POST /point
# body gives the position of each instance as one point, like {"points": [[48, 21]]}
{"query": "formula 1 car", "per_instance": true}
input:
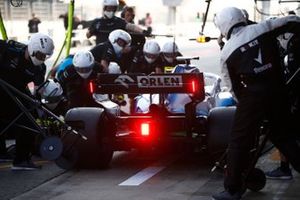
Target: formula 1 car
{"points": [[108, 129], [215, 96], [217, 108]]}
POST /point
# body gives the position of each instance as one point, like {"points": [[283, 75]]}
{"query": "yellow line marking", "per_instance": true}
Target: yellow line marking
{"points": [[40, 162]]}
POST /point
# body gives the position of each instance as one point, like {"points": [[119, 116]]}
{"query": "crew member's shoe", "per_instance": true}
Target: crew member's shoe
{"points": [[226, 195], [279, 174], [27, 165], [5, 158]]}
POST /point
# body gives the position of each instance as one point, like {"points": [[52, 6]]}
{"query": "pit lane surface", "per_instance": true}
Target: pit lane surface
{"points": [[136, 176]]}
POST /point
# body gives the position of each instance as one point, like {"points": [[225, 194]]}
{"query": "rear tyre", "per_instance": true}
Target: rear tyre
{"points": [[220, 120], [11, 151], [68, 159], [256, 180], [98, 127]]}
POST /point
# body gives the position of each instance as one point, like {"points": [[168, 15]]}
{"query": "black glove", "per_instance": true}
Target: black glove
{"points": [[147, 33]]}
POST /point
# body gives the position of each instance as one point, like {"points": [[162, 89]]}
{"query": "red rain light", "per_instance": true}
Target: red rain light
{"points": [[91, 86], [193, 86], [145, 129]]}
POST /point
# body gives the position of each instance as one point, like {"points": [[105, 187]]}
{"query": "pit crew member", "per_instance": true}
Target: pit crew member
{"points": [[250, 64], [19, 65], [147, 61], [101, 27], [75, 79], [169, 52]]}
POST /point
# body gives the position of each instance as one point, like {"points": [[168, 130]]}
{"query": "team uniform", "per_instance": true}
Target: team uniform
{"points": [[168, 66], [76, 89], [251, 66], [18, 72], [140, 65], [105, 51], [101, 27]]}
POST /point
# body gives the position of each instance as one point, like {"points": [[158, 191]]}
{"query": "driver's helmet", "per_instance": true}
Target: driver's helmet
{"points": [[51, 93], [151, 51], [119, 40], [183, 68], [40, 47], [114, 68], [169, 51], [110, 7], [83, 62], [227, 18]]}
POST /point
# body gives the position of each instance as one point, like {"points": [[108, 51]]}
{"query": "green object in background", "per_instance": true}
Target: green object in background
{"points": [[68, 38], [70, 27], [2, 28]]}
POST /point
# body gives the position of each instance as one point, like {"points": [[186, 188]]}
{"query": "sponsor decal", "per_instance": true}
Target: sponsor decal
{"points": [[259, 57], [159, 81], [124, 80], [262, 68], [249, 45]]}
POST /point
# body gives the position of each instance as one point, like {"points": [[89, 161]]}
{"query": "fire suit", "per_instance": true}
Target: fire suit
{"points": [[76, 88], [140, 65], [18, 72], [251, 66]]}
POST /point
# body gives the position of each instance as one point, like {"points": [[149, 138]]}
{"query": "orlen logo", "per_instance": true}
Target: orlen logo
{"points": [[159, 81], [124, 80]]}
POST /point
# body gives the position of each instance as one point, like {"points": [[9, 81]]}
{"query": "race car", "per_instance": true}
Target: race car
{"points": [[215, 96], [108, 129]]}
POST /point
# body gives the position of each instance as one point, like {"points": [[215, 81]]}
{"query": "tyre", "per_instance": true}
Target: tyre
{"points": [[256, 180], [68, 159], [98, 127], [11, 151], [220, 120]]}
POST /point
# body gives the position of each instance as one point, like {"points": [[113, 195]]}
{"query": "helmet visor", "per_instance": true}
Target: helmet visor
{"points": [[122, 43], [150, 55], [53, 99], [40, 56], [111, 8], [170, 55], [83, 69]]}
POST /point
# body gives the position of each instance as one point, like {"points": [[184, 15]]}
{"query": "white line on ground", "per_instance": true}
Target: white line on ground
{"points": [[149, 172], [142, 176]]}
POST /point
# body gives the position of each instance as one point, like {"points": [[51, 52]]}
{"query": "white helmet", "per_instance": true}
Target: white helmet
{"points": [[83, 62], [245, 12], [110, 2], [114, 68], [51, 93], [119, 39], [227, 18], [40, 47], [110, 13], [170, 50], [151, 50]]}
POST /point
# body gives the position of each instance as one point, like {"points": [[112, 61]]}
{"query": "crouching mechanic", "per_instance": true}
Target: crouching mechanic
{"points": [[52, 97], [251, 65], [147, 61], [19, 65], [76, 77], [169, 52]]}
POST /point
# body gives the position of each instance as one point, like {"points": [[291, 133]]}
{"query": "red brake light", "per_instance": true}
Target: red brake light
{"points": [[91, 86], [145, 129], [193, 86]]}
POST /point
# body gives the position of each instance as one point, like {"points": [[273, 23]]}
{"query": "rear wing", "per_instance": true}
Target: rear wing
{"points": [[192, 83]]}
